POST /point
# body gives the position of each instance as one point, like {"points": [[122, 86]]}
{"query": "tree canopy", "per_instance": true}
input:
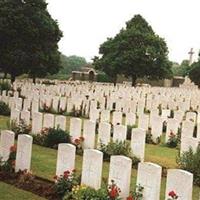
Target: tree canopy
{"points": [[136, 51], [71, 63], [29, 38], [194, 73], [182, 69]]}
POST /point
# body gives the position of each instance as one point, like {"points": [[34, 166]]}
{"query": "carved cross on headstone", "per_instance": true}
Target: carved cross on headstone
{"points": [[191, 53]]}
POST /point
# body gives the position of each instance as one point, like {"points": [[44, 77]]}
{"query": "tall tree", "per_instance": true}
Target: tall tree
{"points": [[71, 63], [194, 73], [29, 38], [109, 62], [136, 52]]}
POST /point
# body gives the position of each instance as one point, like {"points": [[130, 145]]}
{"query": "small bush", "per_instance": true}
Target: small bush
{"points": [[118, 148], [66, 182], [149, 138], [4, 109], [172, 141], [190, 161], [137, 194], [81, 192], [51, 137]]}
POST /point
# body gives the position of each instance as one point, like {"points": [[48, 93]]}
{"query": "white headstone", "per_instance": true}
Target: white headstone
{"points": [[138, 143], [25, 116], [89, 134], [120, 172], [181, 182], [119, 133], [6, 141], [130, 119], [104, 133], [117, 118], [65, 158], [75, 128], [149, 177], [24, 151], [143, 122], [60, 122], [37, 122], [48, 121], [92, 168]]}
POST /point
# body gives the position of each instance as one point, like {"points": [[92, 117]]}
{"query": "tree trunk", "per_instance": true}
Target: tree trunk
{"points": [[12, 78], [115, 80], [134, 78], [34, 79]]}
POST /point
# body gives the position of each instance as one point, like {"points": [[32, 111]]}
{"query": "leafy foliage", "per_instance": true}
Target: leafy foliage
{"points": [[118, 148], [137, 194], [182, 69], [194, 73], [81, 192], [136, 52], [66, 182], [51, 137], [190, 161], [172, 141], [29, 38], [4, 109]]}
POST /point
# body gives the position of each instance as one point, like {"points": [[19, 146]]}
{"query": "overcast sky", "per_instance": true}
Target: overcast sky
{"points": [[87, 23]]}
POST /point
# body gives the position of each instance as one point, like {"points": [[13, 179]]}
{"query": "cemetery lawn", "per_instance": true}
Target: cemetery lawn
{"points": [[44, 162], [11, 192]]}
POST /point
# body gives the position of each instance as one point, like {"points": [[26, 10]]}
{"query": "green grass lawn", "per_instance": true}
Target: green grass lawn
{"points": [[44, 162], [8, 192]]}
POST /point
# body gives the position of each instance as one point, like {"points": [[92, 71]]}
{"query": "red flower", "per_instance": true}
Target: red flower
{"points": [[66, 174], [13, 148], [130, 198], [113, 193], [77, 141], [172, 194]]}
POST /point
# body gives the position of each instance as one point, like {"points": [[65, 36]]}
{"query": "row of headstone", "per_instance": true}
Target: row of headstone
{"points": [[24, 149], [148, 175]]}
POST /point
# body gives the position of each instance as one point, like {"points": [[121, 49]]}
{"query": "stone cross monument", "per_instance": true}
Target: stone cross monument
{"points": [[191, 53]]}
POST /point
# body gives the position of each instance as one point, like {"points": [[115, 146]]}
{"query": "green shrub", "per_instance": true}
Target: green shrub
{"points": [[149, 139], [172, 141], [4, 109], [190, 161], [102, 77], [111, 192], [137, 194], [118, 148], [66, 182], [53, 137], [5, 86]]}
